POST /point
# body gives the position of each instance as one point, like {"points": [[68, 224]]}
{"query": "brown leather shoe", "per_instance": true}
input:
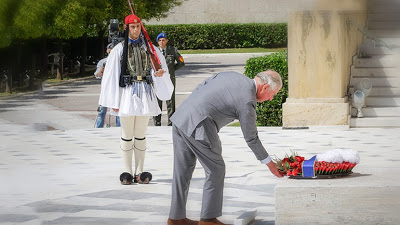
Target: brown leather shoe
{"points": [[185, 221], [212, 222]]}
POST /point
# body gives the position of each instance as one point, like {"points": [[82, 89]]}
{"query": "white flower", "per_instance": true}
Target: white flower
{"points": [[339, 156], [349, 155]]}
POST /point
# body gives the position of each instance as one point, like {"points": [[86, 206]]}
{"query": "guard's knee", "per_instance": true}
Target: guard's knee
{"points": [[126, 144], [140, 144]]}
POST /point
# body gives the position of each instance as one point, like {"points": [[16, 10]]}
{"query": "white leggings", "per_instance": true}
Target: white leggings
{"points": [[133, 127]]}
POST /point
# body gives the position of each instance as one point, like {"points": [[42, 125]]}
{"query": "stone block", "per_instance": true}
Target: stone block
{"points": [[246, 218], [314, 112], [336, 201]]}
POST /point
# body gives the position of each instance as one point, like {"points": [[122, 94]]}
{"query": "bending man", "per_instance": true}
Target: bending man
{"points": [[216, 102]]}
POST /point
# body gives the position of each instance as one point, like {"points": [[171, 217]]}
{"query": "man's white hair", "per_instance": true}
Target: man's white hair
{"points": [[270, 77]]}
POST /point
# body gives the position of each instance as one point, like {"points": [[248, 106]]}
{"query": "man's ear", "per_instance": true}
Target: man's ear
{"points": [[266, 86], [124, 26]]}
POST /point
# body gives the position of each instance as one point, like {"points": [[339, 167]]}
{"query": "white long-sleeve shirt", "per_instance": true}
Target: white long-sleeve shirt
{"points": [[101, 63]]}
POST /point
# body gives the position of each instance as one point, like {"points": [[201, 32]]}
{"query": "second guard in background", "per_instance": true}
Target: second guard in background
{"points": [[175, 62]]}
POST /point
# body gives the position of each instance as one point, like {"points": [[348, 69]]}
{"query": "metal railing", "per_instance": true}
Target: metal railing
{"points": [[369, 34]]}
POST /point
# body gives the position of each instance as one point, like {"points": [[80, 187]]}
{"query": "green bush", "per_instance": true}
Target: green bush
{"points": [[269, 113], [219, 36]]}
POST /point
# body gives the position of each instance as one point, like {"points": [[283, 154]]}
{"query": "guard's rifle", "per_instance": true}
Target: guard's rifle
{"points": [[155, 61]]}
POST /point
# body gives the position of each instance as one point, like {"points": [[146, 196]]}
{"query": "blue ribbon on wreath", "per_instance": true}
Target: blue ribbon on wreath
{"points": [[308, 167]]}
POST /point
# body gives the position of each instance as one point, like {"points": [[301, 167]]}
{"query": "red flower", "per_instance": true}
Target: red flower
{"points": [[292, 166]]}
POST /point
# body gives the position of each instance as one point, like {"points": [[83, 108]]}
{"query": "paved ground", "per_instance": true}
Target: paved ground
{"points": [[57, 169]]}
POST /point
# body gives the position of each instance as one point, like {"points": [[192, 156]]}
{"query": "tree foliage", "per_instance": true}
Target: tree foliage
{"points": [[33, 19], [7, 9], [69, 22], [65, 19]]}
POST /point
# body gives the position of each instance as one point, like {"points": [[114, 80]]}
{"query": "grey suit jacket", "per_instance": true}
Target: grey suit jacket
{"points": [[223, 98]]}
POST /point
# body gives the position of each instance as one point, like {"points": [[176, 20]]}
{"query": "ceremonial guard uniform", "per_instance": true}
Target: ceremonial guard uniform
{"points": [[175, 62], [131, 87]]}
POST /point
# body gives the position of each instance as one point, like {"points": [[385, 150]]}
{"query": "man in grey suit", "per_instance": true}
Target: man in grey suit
{"points": [[216, 102]]}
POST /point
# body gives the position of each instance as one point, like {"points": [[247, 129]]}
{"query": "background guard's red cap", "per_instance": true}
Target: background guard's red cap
{"points": [[132, 19]]}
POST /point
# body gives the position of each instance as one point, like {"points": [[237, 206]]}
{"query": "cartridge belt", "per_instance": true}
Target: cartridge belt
{"points": [[128, 79]]}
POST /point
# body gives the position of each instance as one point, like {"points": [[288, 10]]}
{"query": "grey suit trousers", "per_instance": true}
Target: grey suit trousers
{"points": [[204, 144]]}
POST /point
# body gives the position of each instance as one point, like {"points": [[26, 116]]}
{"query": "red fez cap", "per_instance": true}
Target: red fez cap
{"points": [[132, 19]]}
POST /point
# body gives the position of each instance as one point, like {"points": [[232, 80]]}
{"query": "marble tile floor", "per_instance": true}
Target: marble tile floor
{"points": [[72, 176]]}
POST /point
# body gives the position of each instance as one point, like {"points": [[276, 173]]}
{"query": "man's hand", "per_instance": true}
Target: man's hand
{"points": [[272, 167], [100, 73], [159, 73]]}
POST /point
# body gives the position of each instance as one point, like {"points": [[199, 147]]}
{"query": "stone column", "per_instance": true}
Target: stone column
{"points": [[321, 44]]}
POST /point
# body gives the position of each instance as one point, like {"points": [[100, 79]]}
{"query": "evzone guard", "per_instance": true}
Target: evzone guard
{"points": [[130, 86]]}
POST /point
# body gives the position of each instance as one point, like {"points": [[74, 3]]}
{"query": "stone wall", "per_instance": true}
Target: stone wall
{"points": [[233, 11]]}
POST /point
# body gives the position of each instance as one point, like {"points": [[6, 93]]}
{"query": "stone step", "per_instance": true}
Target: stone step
{"points": [[393, 24], [384, 7], [381, 111], [377, 61], [379, 81], [383, 42], [385, 33], [388, 16], [382, 92], [392, 42], [385, 92], [375, 122], [374, 72], [373, 101], [380, 50]]}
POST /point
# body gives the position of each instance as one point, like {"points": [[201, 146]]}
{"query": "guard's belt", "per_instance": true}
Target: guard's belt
{"points": [[128, 79]]}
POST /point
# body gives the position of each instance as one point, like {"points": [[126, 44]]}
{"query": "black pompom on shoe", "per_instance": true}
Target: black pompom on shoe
{"points": [[126, 178], [143, 178]]}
